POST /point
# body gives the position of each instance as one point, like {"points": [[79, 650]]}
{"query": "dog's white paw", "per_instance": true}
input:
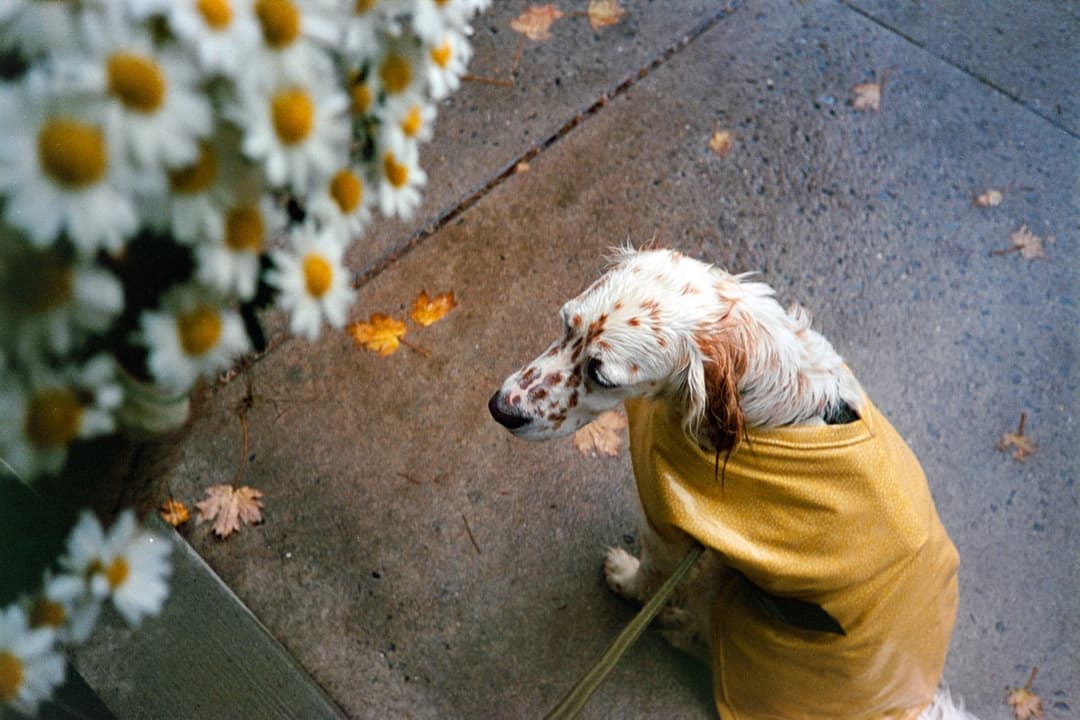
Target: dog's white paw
{"points": [[620, 570]]}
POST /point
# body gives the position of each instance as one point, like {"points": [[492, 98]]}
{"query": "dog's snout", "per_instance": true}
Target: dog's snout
{"points": [[508, 417]]}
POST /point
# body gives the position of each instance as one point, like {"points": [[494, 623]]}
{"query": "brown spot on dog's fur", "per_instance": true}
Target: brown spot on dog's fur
{"points": [[537, 394], [553, 379], [572, 400], [603, 345], [530, 374], [633, 322]]}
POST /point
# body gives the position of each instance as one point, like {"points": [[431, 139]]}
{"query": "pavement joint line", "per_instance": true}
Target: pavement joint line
{"points": [[446, 217], [966, 70]]}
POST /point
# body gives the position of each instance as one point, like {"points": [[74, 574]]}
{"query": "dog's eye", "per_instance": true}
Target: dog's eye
{"points": [[592, 371]]}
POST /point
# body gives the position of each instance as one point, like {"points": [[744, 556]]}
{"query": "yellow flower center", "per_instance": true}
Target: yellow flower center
{"points": [[53, 417], [347, 190], [280, 20], [318, 275], [199, 330], [11, 676], [440, 54], [217, 13], [293, 114], [364, 6], [49, 285], [361, 98], [47, 613], [136, 81], [117, 572], [395, 73], [72, 153], [395, 172], [198, 176], [413, 121], [244, 229]]}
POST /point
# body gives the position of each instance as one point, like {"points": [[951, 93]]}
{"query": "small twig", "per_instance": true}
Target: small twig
{"points": [[410, 478], [488, 80], [414, 347], [517, 55], [242, 406], [1006, 251], [1020, 432], [1034, 668], [468, 529]]}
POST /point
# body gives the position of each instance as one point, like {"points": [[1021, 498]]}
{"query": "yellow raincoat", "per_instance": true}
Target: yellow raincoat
{"points": [[839, 516]]}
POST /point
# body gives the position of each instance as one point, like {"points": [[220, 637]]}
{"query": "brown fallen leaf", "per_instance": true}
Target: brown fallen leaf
{"points": [[867, 96], [601, 436], [1022, 444], [991, 198], [720, 142], [381, 334], [535, 22], [174, 512], [604, 12], [230, 507], [1027, 243], [1025, 704], [427, 310]]}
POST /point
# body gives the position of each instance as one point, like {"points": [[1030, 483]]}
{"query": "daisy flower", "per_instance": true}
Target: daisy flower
{"points": [[59, 172], [400, 178], [34, 27], [30, 666], [221, 33], [293, 41], [66, 606], [365, 27], [312, 281], [398, 70], [190, 336], [53, 300], [431, 18], [128, 564], [230, 264], [447, 58], [40, 419], [298, 132], [156, 111], [414, 120], [342, 203]]}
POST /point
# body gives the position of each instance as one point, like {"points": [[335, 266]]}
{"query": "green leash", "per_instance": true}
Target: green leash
{"points": [[575, 700]]}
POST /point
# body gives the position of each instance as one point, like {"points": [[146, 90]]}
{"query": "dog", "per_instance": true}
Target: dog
{"points": [[828, 588]]}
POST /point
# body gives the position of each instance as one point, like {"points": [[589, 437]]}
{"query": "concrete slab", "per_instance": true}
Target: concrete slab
{"points": [[1027, 50], [419, 562]]}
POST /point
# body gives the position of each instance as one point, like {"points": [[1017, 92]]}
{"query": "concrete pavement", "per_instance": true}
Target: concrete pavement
{"points": [[417, 561]]}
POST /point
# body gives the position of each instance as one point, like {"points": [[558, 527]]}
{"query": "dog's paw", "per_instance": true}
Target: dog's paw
{"points": [[620, 571], [681, 630]]}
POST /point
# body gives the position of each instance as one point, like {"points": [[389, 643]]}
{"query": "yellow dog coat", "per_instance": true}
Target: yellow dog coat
{"points": [[838, 516]]}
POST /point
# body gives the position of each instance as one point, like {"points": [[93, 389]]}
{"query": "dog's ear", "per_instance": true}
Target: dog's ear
{"points": [[723, 364]]}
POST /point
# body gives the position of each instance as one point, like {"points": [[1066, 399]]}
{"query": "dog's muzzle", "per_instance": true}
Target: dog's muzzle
{"points": [[509, 417]]}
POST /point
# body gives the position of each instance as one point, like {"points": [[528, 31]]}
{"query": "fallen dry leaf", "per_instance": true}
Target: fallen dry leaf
{"points": [[535, 22], [1025, 704], [604, 12], [174, 512], [427, 310], [990, 198], [720, 142], [601, 436], [866, 96], [1022, 444], [1028, 243], [381, 334], [231, 507]]}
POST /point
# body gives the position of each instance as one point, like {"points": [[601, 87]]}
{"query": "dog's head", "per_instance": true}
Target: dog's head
{"points": [[653, 325]]}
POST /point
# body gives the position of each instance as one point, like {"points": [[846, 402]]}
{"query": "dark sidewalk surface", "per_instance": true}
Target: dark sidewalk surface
{"points": [[418, 561]]}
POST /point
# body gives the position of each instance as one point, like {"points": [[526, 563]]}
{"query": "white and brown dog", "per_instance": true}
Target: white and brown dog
{"points": [[828, 589]]}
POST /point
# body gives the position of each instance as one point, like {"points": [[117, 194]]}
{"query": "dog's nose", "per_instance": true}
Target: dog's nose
{"points": [[509, 418]]}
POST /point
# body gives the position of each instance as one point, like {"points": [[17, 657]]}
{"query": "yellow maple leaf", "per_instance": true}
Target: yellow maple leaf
{"points": [[535, 22], [720, 142], [174, 512], [1022, 444], [604, 12], [427, 310], [230, 507], [1025, 704], [601, 436], [381, 334], [990, 198]]}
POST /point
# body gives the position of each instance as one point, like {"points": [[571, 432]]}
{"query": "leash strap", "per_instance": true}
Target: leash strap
{"points": [[575, 700]]}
